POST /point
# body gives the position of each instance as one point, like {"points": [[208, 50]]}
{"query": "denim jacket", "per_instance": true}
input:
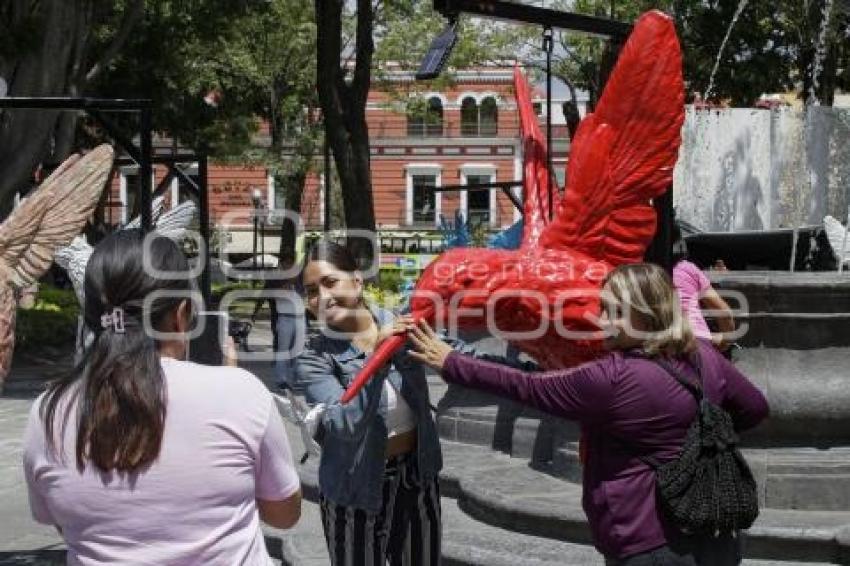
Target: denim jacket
{"points": [[353, 458]]}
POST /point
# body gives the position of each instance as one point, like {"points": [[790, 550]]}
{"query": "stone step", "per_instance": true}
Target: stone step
{"points": [[466, 542], [800, 456], [508, 493], [504, 498], [807, 479]]}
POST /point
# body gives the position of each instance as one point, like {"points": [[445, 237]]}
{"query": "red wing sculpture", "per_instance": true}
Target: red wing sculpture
{"points": [[622, 156]]}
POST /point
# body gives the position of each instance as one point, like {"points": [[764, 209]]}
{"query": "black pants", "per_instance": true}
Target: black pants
{"points": [[724, 550], [406, 531]]}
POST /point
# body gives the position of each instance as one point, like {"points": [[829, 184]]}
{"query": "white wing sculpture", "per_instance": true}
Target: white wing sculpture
{"points": [[74, 257], [174, 223], [838, 238], [156, 212]]}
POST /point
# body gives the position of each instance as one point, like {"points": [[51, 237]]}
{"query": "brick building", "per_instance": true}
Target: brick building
{"points": [[471, 136]]}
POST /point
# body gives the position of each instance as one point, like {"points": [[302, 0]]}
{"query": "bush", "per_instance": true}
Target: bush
{"points": [[390, 280], [51, 322], [383, 298]]}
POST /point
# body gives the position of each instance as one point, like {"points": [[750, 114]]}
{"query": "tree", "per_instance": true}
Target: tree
{"points": [[343, 87], [770, 48], [257, 56], [52, 48], [353, 46], [267, 63]]}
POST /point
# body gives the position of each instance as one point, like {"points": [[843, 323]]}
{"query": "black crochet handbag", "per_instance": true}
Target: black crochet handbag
{"points": [[709, 488]]}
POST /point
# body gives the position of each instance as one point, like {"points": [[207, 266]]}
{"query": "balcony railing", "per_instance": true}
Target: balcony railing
{"points": [[444, 129], [450, 129]]}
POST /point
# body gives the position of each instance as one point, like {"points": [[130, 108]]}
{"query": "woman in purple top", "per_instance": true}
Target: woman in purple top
{"points": [[628, 407]]}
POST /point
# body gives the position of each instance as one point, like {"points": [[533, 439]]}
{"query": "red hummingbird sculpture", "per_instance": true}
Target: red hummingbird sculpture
{"points": [[622, 156]]}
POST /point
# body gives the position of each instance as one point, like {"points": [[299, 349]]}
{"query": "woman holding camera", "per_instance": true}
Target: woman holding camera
{"points": [[139, 456]]}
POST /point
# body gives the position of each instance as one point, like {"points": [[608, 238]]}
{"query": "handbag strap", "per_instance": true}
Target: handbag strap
{"points": [[694, 389]]}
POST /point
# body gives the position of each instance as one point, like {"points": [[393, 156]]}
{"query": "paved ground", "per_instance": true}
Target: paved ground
{"points": [[467, 541], [22, 540]]}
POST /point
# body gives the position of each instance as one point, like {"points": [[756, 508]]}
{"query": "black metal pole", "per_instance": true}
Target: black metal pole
{"points": [[145, 169], [256, 220], [660, 250], [163, 184], [327, 219], [204, 205], [547, 45], [522, 12], [263, 237]]}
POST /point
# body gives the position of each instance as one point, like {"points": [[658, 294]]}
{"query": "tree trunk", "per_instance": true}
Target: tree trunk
{"points": [[827, 77], [343, 106], [54, 66], [40, 71], [293, 190]]}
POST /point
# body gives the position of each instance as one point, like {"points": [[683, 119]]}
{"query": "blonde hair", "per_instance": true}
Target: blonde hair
{"points": [[649, 290]]}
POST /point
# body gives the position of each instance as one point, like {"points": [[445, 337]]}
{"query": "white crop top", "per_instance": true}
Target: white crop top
{"points": [[400, 417]]}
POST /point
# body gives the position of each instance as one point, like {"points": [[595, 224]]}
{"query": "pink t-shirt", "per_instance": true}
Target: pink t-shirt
{"points": [[223, 447], [691, 283]]}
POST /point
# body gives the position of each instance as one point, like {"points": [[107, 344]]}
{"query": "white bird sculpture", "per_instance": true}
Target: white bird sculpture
{"points": [[838, 238], [74, 257]]}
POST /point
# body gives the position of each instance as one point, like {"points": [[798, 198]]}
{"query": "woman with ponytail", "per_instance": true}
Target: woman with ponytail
{"points": [[139, 456]]}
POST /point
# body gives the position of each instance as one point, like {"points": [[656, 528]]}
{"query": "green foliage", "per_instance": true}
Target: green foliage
{"points": [[219, 290], [478, 235], [390, 280], [769, 49], [257, 56], [384, 298], [403, 32], [51, 322]]}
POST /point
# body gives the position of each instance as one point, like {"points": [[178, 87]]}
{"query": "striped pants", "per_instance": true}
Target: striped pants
{"points": [[405, 532]]}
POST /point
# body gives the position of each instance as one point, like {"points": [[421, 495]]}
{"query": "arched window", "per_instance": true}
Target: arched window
{"points": [[488, 117], [427, 121], [469, 117], [434, 117], [415, 122]]}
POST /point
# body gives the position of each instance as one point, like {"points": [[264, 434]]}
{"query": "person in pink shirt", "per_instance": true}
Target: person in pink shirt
{"points": [[140, 457], [696, 293]]}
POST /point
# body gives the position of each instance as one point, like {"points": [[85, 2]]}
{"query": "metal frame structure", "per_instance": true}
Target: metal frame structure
{"points": [[142, 155], [549, 19], [660, 250], [513, 11], [504, 185]]}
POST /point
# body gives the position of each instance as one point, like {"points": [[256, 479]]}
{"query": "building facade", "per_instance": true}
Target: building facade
{"points": [[468, 134]]}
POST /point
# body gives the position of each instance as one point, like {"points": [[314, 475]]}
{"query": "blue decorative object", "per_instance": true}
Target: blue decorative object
{"points": [[455, 235], [507, 239]]}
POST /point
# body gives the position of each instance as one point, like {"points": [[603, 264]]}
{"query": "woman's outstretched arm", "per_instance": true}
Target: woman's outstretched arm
{"points": [[581, 393]]}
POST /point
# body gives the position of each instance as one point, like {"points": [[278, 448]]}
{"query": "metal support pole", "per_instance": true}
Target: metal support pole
{"points": [[145, 169], [256, 222], [204, 205], [547, 46], [844, 242], [263, 237], [327, 219], [660, 250], [795, 236]]}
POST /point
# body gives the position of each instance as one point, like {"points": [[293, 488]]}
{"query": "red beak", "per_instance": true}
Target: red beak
{"points": [[381, 356]]}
